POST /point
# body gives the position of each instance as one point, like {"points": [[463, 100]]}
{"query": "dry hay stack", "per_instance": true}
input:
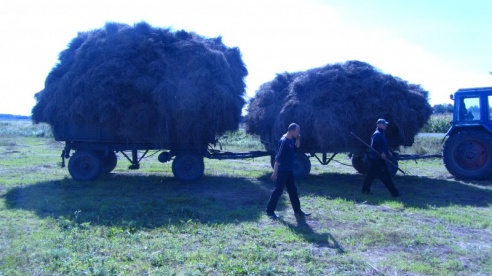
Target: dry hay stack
{"points": [[141, 84], [332, 101]]}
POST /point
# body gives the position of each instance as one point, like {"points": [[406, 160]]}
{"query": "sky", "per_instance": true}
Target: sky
{"points": [[443, 45]]}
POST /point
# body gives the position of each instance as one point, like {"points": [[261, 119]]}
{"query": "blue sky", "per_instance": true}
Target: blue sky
{"points": [[441, 45]]}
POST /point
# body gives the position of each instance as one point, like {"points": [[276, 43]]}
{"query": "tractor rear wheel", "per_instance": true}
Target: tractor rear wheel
{"points": [[84, 165], [468, 155]]}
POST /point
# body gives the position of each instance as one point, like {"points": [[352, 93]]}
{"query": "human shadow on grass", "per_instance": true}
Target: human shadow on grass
{"points": [[303, 229], [142, 200], [419, 192]]}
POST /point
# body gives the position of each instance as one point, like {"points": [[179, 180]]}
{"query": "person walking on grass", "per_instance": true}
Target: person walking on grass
{"points": [[377, 158], [283, 172]]}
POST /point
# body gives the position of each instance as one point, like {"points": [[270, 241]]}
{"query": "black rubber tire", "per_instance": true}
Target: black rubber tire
{"points": [[363, 167], [468, 155], [188, 166], [302, 165], [393, 167], [359, 164], [108, 162], [85, 165]]}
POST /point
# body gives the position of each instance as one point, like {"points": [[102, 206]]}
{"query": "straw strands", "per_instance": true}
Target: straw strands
{"points": [[141, 84], [331, 101]]}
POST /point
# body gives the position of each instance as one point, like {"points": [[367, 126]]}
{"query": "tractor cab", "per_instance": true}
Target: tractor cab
{"points": [[467, 151], [473, 108]]}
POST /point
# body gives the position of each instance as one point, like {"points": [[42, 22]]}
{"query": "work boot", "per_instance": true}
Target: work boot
{"points": [[301, 214], [272, 215]]}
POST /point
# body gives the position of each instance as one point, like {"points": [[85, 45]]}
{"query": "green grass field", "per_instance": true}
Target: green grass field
{"points": [[146, 223]]}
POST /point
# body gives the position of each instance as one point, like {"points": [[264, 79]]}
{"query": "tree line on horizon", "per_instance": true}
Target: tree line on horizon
{"points": [[437, 109], [442, 108]]}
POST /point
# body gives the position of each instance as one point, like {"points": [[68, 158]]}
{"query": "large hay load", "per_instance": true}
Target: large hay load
{"points": [[140, 84], [332, 101], [138, 87]]}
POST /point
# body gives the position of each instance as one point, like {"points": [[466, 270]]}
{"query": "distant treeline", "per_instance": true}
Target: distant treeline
{"points": [[12, 117], [437, 109], [442, 108]]}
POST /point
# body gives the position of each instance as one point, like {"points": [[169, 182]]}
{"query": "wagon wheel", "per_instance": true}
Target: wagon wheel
{"points": [[302, 165], [468, 155], [393, 169], [359, 164], [363, 167], [188, 166], [108, 162], [84, 165]]}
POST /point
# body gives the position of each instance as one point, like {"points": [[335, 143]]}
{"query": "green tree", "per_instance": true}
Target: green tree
{"points": [[442, 108]]}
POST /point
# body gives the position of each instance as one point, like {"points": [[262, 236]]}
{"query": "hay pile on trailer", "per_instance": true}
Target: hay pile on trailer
{"points": [[331, 101], [141, 84]]}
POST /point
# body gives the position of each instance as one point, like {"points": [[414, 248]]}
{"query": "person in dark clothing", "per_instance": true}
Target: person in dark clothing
{"points": [[283, 172], [377, 159]]}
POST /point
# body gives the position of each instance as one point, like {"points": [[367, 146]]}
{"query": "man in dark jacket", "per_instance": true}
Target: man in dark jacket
{"points": [[377, 159], [283, 172]]}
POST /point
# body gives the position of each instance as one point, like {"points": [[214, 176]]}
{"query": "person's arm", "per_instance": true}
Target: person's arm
{"points": [[275, 171], [383, 147], [383, 155], [277, 158], [377, 145], [298, 141]]}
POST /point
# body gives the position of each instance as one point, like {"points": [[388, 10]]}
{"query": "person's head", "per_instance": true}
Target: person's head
{"points": [[294, 130], [382, 124]]}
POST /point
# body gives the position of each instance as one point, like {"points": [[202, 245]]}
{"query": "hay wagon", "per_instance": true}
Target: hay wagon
{"points": [[91, 152], [357, 155], [329, 102], [357, 151]]}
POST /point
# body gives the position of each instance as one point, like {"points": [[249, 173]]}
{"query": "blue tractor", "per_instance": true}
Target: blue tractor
{"points": [[467, 150]]}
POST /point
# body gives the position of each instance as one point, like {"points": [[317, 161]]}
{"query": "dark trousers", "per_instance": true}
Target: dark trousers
{"points": [[284, 178], [378, 168]]}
